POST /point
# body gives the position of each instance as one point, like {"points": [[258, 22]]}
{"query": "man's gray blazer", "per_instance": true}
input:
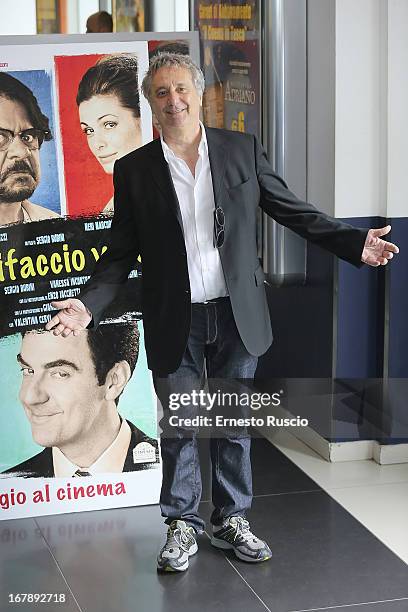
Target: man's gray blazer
{"points": [[148, 222]]}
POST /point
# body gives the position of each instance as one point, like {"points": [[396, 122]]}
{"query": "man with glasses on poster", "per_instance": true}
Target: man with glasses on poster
{"points": [[188, 204], [23, 129]]}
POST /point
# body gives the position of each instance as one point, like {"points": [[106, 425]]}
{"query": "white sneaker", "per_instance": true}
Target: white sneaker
{"points": [[180, 545], [235, 534]]}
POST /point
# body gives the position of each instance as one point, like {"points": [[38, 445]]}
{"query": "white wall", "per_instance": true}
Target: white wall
{"points": [[86, 8], [397, 108], [181, 15], [170, 15], [360, 163], [72, 17], [18, 17], [321, 81], [357, 106]]}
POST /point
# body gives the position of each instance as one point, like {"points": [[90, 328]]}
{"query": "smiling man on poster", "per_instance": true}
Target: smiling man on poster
{"points": [[70, 393], [188, 204]]}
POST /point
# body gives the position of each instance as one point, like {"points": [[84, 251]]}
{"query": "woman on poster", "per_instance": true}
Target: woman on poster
{"points": [[109, 110]]}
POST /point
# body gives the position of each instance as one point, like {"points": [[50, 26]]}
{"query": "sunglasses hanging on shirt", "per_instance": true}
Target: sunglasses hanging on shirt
{"points": [[219, 227]]}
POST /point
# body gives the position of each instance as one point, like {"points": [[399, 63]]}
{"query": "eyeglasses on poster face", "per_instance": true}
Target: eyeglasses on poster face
{"points": [[31, 138]]}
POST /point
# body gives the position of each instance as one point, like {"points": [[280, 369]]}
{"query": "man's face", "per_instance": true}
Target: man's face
{"points": [[174, 99], [59, 391], [19, 166]]}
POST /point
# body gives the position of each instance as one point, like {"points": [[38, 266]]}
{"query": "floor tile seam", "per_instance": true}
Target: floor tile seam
{"points": [[302, 492], [242, 578], [323, 489], [364, 486], [208, 501], [353, 605], [58, 567]]}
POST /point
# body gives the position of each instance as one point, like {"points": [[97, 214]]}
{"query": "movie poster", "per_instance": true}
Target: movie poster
{"points": [[230, 60], [78, 425]]}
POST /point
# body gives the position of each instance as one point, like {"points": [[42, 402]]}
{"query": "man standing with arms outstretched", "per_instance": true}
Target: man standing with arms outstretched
{"points": [[188, 203]]}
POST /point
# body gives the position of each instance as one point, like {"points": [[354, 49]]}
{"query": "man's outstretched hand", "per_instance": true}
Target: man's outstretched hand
{"points": [[376, 251], [73, 317]]}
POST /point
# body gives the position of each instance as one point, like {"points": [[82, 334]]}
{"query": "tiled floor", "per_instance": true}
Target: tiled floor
{"points": [[375, 495], [324, 558]]}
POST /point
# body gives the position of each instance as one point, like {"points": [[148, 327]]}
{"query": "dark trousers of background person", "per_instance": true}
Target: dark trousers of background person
{"points": [[215, 348]]}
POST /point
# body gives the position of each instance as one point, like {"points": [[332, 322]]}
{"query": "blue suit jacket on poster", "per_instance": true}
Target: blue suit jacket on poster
{"points": [[41, 465]]}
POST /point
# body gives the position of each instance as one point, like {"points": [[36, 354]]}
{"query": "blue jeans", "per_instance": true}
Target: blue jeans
{"points": [[215, 348]]}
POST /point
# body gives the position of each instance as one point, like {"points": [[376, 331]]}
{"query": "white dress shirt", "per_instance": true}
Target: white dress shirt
{"points": [[196, 200], [112, 459]]}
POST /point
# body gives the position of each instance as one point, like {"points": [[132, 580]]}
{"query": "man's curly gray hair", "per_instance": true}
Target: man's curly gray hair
{"points": [[172, 60]]}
